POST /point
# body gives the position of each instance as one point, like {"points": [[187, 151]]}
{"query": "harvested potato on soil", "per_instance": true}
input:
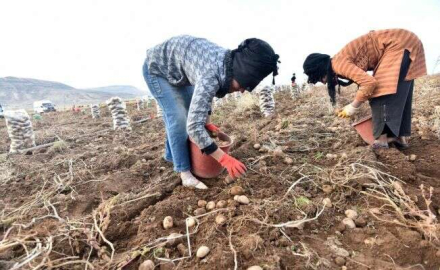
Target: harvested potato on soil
{"points": [[201, 203], [241, 199], [351, 214], [220, 219], [221, 204], [349, 223], [191, 222], [327, 202], [147, 265], [210, 205], [167, 222], [199, 211], [236, 190], [202, 252]]}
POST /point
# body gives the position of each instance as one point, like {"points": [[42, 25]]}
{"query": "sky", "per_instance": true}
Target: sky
{"points": [[92, 43]]}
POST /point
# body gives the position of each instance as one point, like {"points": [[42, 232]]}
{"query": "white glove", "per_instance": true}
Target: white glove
{"points": [[348, 111]]}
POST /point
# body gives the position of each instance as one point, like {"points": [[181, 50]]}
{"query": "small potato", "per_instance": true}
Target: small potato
{"points": [[327, 202], [220, 219], [201, 203], [210, 205], [147, 265], [236, 190], [241, 199], [351, 214], [191, 222], [349, 223], [168, 222], [221, 204], [202, 252], [199, 211], [288, 160], [229, 180]]}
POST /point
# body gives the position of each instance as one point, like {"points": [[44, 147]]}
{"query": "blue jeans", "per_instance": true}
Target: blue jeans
{"points": [[174, 102]]}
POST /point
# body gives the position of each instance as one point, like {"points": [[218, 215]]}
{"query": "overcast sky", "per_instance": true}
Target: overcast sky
{"points": [[91, 43]]}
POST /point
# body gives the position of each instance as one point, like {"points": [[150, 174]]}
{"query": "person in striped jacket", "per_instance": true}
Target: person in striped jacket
{"points": [[396, 57]]}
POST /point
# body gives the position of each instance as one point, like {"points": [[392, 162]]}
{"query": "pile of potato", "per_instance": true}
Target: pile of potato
{"points": [[20, 130], [118, 110], [96, 113], [140, 104], [267, 102]]}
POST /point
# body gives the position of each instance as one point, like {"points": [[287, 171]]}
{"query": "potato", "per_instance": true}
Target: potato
{"points": [[351, 214], [191, 222], [220, 219], [167, 222], [210, 205], [349, 223], [201, 203], [147, 265], [199, 211], [202, 252], [255, 267], [236, 190], [221, 204], [288, 160], [241, 199], [327, 202]]}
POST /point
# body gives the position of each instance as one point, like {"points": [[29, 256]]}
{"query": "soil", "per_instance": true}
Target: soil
{"points": [[118, 181]]}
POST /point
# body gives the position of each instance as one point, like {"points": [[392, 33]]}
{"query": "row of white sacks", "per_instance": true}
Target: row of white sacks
{"points": [[22, 136]]}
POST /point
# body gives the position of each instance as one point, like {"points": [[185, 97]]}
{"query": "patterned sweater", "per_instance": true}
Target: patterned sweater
{"points": [[187, 60], [381, 52]]}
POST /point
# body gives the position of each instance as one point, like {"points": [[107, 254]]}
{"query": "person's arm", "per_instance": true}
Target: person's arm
{"points": [[204, 92], [345, 67]]}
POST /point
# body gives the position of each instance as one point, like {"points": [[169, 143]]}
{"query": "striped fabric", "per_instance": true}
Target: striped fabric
{"points": [[381, 52]]}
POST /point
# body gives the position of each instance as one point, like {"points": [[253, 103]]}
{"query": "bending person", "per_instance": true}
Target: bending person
{"points": [[184, 74], [396, 57]]}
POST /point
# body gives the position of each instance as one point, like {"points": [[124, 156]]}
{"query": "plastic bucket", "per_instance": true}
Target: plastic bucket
{"points": [[205, 166], [364, 128]]}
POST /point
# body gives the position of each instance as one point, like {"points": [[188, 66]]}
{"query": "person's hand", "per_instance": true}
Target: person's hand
{"points": [[235, 168], [348, 111], [211, 127]]}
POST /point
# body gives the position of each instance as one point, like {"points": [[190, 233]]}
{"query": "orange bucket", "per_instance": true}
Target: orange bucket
{"points": [[364, 128], [205, 166]]}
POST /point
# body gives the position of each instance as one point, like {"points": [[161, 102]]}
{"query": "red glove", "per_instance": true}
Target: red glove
{"points": [[235, 168], [212, 127]]}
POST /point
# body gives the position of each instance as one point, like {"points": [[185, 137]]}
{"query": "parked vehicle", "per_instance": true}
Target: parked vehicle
{"points": [[42, 106]]}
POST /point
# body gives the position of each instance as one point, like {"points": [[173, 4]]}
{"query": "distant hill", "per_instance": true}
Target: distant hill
{"points": [[22, 92], [119, 89]]}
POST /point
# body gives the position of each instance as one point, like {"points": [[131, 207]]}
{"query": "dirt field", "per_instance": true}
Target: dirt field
{"points": [[97, 199]]}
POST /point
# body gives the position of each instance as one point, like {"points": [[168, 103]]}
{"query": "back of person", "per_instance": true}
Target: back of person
{"points": [[183, 59]]}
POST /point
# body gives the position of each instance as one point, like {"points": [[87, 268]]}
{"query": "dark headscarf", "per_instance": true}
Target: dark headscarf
{"points": [[253, 60], [316, 67]]}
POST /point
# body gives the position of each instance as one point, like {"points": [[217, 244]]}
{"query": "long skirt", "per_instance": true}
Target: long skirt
{"points": [[392, 113]]}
